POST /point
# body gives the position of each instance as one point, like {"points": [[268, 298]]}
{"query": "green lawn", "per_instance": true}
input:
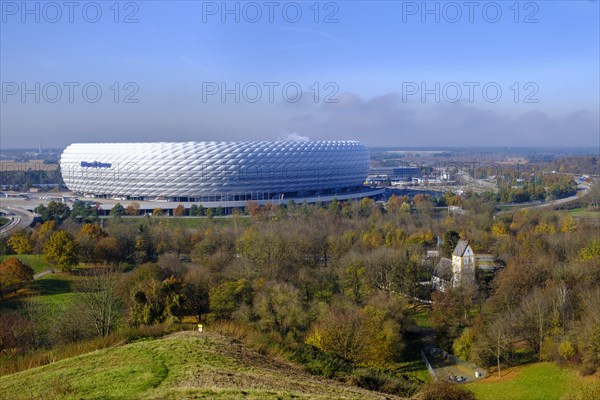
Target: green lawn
{"points": [[4, 221], [183, 222], [422, 319], [51, 294], [186, 222], [540, 381], [35, 261], [582, 212], [180, 366]]}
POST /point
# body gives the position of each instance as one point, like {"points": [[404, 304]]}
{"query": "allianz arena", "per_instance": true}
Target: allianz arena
{"points": [[216, 171]]}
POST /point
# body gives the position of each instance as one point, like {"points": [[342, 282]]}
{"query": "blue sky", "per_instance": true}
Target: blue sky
{"points": [[374, 59]]}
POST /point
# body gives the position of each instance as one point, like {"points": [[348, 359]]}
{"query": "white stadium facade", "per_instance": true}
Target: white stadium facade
{"points": [[226, 174]]}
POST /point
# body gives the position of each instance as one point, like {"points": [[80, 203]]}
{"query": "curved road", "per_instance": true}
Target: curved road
{"points": [[584, 190], [20, 219]]}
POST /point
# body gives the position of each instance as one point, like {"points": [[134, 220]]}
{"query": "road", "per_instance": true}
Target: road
{"points": [[19, 219], [582, 191]]}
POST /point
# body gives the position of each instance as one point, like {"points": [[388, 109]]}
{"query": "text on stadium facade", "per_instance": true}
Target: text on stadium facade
{"points": [[95, 164]]}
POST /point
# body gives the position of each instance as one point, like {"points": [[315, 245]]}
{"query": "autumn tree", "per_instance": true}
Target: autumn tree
{"points": [[591, 251], [352, 277], [14, 273], [229, 296], [133, 209], [158, 212], [125, 235], [87, 239], [155, 296], [20, 243], [61, 251], [368, 335], [17, 333], [182, 241], [179, 211], [589, 331], [42, 233], [334, 208], [252, 208], [197, 288], [278, 309], [423, 204], [94, 231], [366, 207], [394, 204], [341, 331], [106, 250]]}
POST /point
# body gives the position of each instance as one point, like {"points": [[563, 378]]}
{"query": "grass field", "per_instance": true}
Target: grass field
{"points": [[186, 222], [583, 213], [422, 319], [35, 261], [52, 293], [540, 381], [4, 221], [180, 366]]}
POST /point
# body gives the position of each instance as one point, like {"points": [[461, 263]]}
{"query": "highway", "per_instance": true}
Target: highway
{"points": [[583, 190], [19, 219]]}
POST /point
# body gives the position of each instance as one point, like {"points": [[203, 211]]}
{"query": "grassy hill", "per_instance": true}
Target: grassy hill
{"points": [[180, 366]]}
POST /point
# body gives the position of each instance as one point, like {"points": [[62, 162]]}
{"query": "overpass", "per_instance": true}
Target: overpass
{"points": [[19, 219]]}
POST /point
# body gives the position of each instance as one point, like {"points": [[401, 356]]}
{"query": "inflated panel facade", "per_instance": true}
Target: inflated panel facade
{"points": [[200, 169]]}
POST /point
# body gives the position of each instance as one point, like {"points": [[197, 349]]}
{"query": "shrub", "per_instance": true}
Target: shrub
{"points": [[445, 391], [383, 381]]}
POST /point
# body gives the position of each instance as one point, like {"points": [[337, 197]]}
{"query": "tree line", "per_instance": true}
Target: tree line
{"points": [[334, 285]]}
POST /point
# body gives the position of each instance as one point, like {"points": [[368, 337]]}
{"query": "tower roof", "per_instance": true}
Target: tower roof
{"points": [[460, 248], [443, 269]]}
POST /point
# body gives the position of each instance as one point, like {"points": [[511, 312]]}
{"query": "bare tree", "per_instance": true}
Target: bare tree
{"points": [[100, 300], [534, 318]]}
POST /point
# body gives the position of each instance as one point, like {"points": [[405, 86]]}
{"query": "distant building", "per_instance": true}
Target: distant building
{"points": [[455, 210], [462, 268], [433, 253], [463, 264], [383, 175]]}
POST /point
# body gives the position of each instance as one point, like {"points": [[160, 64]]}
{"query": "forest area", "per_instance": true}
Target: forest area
{"points": [[337, 288]]}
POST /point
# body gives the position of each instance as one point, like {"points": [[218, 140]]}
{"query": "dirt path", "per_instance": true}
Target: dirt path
{"points": [[43, 273]]}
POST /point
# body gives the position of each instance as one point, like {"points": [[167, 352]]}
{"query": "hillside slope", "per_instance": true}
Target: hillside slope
{"points": [[180, 366]]}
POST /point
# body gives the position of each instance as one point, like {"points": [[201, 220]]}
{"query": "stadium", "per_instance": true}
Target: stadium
{"points": [[218, 172]]}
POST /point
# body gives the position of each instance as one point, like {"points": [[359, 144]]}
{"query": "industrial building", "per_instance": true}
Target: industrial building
{"points": [[389, 175]]}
